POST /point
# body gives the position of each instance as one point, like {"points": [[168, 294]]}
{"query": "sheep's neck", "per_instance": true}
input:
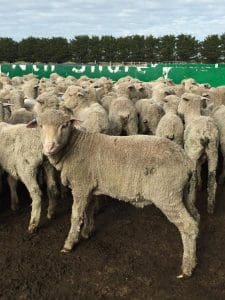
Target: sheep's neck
{"points": [[191, 116], [57, 159], [171, 111]]}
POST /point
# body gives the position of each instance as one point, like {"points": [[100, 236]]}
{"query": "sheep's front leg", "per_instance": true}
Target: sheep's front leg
{"points": [[80, 201], [13, 192], [35, 193], [52, 190]]}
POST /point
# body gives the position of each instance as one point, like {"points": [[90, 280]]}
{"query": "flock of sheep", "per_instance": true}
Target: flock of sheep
{"points": [[140, 142]]}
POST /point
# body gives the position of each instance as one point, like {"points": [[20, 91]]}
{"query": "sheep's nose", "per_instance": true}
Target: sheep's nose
{"points": [[50, 146], [145, 121]]}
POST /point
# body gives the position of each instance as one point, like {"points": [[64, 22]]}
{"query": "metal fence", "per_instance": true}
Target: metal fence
{"points": [[210, 73]]}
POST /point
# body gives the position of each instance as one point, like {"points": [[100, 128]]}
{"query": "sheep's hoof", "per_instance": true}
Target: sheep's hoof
{"points": [[15, 207], [183, 276], [65, 250], [32, 228], [221, 180], [51, 216], [210, 210], [87, 233]]}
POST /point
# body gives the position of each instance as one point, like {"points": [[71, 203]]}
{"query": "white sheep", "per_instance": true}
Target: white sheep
{"points": [[137, 169], [21, 157], [123, 119], [170, 125], [149, 115], [201, 140]]}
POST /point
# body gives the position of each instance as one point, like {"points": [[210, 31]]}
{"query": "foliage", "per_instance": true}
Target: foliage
{"points": [[95, 49]]}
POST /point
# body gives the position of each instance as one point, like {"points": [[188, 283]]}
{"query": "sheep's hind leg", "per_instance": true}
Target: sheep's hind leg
{"points": [[212, 185], [88, 224], [188, 228]]}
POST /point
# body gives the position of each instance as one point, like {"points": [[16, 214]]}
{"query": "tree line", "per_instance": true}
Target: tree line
{"points": [[95, 49]]}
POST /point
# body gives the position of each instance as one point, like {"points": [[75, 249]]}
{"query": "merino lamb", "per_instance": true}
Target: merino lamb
{"points": [[149, 115], [123, 118], [171, 126], [201, 139], [82, 104], [21, 157], [137, 169]]}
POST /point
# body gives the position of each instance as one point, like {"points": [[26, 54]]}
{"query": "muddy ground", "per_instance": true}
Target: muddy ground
{"points": [[134, 254]]}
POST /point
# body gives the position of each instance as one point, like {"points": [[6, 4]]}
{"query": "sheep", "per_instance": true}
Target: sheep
{"points": [[170, 125], [5, 112], [188, 84], [216, 95], [46, 100], [17, 81], [29, 77], [149, 115], [159, 92], [201, 140], [93, 118], [21, 116], [5, 93], [21, 157], [82, 104], [16, 98], [29, 104], [30, 88], [107, 99], [130, 89], [103, 82], [123, 118], [137, 169], [218, 115]]}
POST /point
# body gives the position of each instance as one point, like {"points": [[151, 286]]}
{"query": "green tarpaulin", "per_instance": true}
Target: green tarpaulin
{"points": [[210, 73]]}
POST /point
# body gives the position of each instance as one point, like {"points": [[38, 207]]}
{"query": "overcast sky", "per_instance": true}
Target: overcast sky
{"points": [[67, 18]]}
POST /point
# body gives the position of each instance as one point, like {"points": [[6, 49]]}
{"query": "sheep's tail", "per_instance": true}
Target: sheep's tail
{"points": [[124, 117], [191, 195], [204, 142]]}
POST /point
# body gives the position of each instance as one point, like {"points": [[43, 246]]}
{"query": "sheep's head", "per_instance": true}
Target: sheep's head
{"points": [[170, 103], [149, 117], [55, 129], [189, 103], [73, 96]]}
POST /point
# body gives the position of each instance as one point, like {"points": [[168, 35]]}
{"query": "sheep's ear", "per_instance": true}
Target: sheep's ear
{"points": [[131, 87], [5, 104], [32, 124], [76, 123]]}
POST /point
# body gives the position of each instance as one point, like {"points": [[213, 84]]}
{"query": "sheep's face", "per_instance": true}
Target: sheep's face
{"points": [[170, 103], [149, 119], [188, 103], [73, 96], [55, 130], [53, 137]]}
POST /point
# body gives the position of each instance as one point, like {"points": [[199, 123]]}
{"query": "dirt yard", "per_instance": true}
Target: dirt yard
{"points": [[134, 254]]}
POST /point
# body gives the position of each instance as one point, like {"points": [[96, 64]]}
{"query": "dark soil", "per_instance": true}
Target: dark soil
{"points": [[134, 254]]}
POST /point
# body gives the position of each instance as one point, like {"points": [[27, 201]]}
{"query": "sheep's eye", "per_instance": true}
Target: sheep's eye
{"points": [[185, 99], [40, 126], [64, 125]]}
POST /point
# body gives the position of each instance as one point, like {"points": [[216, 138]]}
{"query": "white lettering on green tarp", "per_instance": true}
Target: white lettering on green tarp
{"points": [[80, 70], [166, 71]]}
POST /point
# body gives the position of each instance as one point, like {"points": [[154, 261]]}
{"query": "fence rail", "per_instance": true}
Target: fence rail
{"points": [[210, 73]]}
